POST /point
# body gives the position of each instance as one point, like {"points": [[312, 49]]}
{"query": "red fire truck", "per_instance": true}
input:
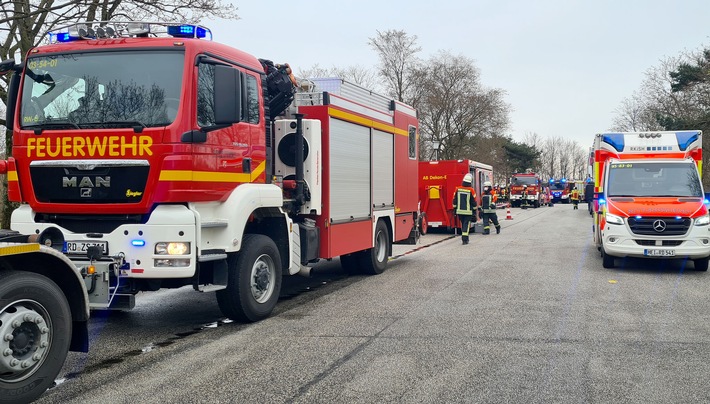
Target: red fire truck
{"points": [[649, 200], [528, 180], [438, 181], [559, 190], [147, 156]]}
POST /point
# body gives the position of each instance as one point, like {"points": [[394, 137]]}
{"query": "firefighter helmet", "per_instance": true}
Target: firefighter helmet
{"points": [[487, 184], [525, 186], [468, 178]]}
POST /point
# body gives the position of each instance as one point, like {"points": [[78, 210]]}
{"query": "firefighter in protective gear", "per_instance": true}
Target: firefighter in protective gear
{"points": [[465, 205], [524, 197], [574, 196], [488, 207]]}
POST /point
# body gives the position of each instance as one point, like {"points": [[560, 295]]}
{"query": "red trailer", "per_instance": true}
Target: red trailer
{"points": [[437, 182]]}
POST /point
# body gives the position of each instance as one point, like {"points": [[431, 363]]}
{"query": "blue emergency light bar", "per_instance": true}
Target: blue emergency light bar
{"points": [[685, 139], [123, 29]]}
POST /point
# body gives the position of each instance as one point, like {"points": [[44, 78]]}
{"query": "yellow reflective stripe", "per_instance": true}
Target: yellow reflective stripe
{"points": [[12, 175], [211, 176], [19, 249], [336, 113]]}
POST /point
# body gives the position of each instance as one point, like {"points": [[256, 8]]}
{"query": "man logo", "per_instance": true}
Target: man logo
{"points": [[659, 226], [85, 192]]}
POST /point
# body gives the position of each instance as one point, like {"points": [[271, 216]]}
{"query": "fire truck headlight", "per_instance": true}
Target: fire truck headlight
{"points": [[172, 248], [702, 220], [613, 219]]}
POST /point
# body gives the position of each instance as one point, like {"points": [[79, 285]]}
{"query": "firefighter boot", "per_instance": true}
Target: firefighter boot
{"points": [[486, 230], [464, 240], [497, 229]]}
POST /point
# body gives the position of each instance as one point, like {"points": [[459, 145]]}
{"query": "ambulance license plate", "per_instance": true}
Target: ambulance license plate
{"points": [[659, 253], [80, 246]]}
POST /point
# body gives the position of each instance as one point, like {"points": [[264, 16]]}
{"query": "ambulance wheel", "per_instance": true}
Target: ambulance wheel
{"points": [[35, 330], [607, 260], [423, 224], [254, 280], [350, 263], [374, 260], [701, 264]]}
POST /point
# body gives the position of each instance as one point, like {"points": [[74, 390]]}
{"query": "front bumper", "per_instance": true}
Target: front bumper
{"points": [[619, 241], [167, 223]]}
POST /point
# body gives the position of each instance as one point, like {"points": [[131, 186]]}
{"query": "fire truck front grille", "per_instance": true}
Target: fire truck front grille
{"points": [[100, 184], [659, 226]]}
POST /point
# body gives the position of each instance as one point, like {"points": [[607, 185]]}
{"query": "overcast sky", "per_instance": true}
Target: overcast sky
{"points": [[565, 64]]}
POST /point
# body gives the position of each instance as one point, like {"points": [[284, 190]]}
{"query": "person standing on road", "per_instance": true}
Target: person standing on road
{"points": [[488, 207], [574, 196], [524, 197], [464, 205]]}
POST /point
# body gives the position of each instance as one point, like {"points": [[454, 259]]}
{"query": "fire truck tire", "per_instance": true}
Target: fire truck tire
{"points": [[607, 260], [701, 264], [254, 280], [373, 261], [350, 263], [423, 224], [35, 332]]}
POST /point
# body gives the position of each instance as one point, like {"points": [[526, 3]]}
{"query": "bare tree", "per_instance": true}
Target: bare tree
{"points": [[634, 115], [397, 52], [456, 111]]}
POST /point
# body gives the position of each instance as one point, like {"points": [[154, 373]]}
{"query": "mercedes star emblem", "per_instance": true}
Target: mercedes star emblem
{"points": [[659, 226]]}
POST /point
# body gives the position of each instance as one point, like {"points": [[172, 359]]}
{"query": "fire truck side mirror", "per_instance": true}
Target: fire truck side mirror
{"points": [[7, 65], [227, 95]]}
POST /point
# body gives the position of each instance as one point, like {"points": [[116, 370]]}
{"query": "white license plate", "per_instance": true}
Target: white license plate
{"points": [[80, 247], [659, 253]]}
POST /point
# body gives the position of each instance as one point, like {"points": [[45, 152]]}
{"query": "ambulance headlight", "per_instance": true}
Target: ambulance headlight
{"points": [[172, 248], [613, 219], [702, 220]]}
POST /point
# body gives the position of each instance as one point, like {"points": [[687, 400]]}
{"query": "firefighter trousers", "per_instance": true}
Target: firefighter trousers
{"points": [[465, 225], [575, 202], [490, 217]]}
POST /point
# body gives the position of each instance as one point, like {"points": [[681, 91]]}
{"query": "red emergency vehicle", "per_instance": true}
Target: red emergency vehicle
{"points": [[151, 157], [437, 182], [559, 190], [649, 197], [532, 182]]}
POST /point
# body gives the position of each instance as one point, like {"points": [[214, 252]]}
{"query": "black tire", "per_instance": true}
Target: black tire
{"points": [[254, 281], [701, 264], [44, 333], [350, 264], [373, 261], [607, 260]]}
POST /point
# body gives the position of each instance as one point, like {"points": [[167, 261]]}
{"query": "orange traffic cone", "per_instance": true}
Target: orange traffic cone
{"points": [[508, 216]]}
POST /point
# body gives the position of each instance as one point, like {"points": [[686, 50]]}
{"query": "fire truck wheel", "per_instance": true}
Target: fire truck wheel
{"points": [[701, 264], [374, 260], [254, 280], [350, 263], [423, 224], [35, 331], [607, 260]]}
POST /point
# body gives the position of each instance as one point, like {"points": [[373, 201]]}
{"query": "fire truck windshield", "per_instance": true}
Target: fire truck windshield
{"points": [[654, 179], [524, 181], [102, 89], [558, 186]]}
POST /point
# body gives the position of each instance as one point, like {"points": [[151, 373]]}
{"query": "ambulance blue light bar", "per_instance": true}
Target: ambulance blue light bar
{"points": [[615, 140], [685, 139]]}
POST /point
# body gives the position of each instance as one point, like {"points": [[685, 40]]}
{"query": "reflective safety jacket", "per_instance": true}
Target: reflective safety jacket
{"points": [[464, 200], [488, 203], [575, 195]]}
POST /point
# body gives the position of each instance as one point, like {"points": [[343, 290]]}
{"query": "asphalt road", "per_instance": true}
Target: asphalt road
{"points": [[527, 316]]}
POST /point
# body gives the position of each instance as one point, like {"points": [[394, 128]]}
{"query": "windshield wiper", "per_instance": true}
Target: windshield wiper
{"points": [[53, 124], [136, 125]]}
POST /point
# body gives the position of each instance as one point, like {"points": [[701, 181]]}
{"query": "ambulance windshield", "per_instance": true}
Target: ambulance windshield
{"points": [[654, 179], [102, 89]]}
